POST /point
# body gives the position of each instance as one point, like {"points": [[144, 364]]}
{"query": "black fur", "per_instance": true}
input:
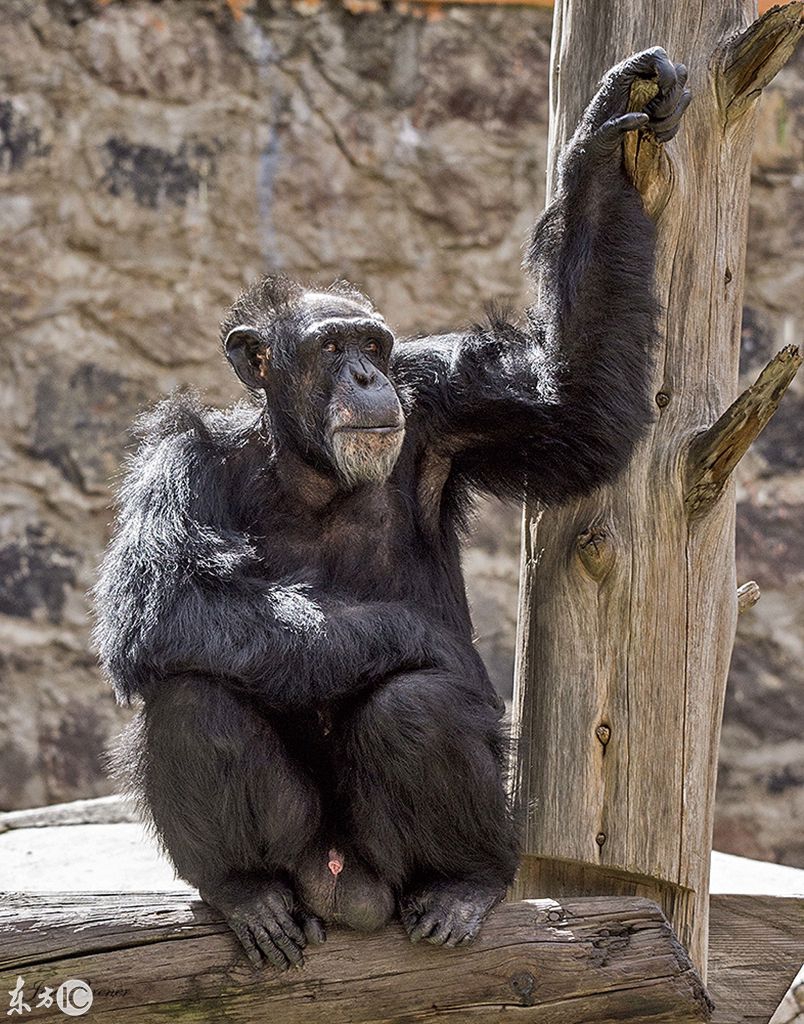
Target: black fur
{"points": [[295, 620]]}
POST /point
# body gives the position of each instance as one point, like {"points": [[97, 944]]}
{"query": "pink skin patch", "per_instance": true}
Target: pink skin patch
{"points": [[335, 862]]}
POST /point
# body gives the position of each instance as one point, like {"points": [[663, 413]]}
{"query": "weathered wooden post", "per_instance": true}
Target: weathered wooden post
{"points": [[629, 597]]}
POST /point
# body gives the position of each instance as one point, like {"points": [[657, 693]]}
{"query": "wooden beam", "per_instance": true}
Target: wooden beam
{"points": [[153, 957], [789, 1011], [100, 810], [756, 946]]}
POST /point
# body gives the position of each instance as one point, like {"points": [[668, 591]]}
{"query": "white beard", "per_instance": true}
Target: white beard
{"points": [[363, 457]]}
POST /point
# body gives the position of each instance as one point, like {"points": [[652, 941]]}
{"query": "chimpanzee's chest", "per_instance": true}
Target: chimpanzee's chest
{"points": [[366, 545], [363, 542]]}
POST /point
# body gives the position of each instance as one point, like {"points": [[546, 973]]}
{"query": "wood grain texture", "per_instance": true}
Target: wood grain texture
{"points": [[756, 948], [631, 638], [153, 957]]}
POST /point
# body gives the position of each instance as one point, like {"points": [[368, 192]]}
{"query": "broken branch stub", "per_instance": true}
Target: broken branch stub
{"points": [[715, 452], [753, 57], [748, 595]]}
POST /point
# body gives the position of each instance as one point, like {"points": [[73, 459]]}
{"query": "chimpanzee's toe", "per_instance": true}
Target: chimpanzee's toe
{"points": [[260, 915], [448, 913]]}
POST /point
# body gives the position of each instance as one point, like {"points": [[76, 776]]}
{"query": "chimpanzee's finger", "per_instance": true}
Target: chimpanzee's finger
{"points": [[283, 942], [441, 933], [628, 122], [607, 137], [459, 936], [655, 63], [291, 929], [665, 129], [664, 103]]}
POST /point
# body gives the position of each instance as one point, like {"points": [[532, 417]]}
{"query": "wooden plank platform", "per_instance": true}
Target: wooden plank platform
{"points": [[152, 957], [756, 947]]}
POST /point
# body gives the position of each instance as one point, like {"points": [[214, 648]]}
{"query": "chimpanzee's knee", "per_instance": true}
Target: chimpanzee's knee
{"points": [[217, 780], [423, 780]]}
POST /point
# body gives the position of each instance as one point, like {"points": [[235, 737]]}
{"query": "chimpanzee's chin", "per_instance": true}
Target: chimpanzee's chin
{"points": [[366, 456]]}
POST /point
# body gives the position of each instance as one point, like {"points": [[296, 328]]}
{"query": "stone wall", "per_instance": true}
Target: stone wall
{"points": [[154, 157]]}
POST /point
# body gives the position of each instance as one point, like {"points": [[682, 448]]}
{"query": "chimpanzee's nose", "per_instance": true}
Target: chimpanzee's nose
{"points": [[364, 375]]}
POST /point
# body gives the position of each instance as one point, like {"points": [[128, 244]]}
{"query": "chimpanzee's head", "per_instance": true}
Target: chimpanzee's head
{"points": [[320, 356]]}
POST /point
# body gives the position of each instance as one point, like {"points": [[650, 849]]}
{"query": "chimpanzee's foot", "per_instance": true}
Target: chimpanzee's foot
{"points": [[264, 914], [448, 913]]}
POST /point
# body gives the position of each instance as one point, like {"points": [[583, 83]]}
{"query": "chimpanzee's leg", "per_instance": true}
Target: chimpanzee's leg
{"points": [[421, 764], [233, 810]]}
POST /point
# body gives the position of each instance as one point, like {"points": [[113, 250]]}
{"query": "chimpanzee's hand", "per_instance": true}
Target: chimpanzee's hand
{"points": [[607, 117]]}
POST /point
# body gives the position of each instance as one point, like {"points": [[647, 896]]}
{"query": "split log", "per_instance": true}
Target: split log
{"points": [[629, 597], [152, 957]]}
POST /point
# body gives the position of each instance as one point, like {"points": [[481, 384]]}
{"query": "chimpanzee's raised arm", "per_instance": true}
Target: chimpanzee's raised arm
{"points": [[557, 402]]}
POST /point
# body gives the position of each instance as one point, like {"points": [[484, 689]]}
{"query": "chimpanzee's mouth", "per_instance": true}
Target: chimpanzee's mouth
{"points": [[364, 453]]}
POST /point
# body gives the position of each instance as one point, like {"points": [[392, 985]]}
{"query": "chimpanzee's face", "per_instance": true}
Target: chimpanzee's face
{"points": [[323, 367]]}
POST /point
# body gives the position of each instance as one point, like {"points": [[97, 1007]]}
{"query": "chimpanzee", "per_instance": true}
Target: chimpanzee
{"points": [[318, 739]]}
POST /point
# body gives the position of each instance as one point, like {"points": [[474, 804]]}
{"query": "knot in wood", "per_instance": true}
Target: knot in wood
{"points": [[556, 915], [603, 733], [596, 550], [662, 399], [610, 943], [600, 838], [523, 984]]}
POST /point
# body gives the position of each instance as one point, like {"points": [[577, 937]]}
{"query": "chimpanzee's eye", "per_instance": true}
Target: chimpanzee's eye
{"points": [[329, 346], [372, 346]]}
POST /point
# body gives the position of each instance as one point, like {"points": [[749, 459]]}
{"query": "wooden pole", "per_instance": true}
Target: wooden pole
{"points": [[629, 598], [152, 957]]}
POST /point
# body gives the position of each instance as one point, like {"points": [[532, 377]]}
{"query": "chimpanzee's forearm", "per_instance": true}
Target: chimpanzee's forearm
{"points": [[274, 641], [556, 405], [593, 252]]}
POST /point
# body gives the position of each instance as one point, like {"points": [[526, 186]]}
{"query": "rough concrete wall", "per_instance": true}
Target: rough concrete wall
{"points": [[154, 157]]}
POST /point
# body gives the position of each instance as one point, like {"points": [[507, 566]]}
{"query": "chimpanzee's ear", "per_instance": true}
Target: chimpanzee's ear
{"points": [[249, 355]]}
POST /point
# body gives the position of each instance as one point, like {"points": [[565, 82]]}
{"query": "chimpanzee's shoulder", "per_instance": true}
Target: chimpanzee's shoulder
{"points": [[183, 416], [196, 463]]}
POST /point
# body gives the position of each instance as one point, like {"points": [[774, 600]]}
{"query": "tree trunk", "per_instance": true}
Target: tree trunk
{"points": [[629, 597]]}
